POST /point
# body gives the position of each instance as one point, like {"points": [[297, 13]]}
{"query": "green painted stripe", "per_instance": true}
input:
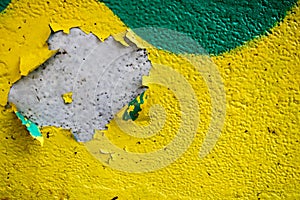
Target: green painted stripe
{"points": [[217, 25], [3, 4]]}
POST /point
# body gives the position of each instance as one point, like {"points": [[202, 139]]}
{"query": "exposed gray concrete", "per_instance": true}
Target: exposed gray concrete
{"points": [[103, 76]]}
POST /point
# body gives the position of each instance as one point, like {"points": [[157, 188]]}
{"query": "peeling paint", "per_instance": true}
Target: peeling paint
{"points": [[40, 57], [32, 128], [134, 107], [27, 33], [103, 77]]}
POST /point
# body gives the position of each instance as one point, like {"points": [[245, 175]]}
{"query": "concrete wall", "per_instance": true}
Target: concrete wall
{"points": [[254, 154]]}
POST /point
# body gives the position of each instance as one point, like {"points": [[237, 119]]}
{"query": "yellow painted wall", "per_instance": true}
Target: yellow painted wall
{"points": [[256, 156]]}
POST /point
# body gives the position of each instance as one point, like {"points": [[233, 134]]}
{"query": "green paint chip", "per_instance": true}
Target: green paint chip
{"points": [[134, 107], [31, 127]]}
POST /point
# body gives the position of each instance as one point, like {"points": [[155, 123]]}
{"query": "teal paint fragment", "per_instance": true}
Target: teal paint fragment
{"points": [[31, 127]]}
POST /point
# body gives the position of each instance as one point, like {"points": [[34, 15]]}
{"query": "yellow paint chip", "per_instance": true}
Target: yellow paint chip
{"points": [[67, 97], [31, 61], [120, 37]]}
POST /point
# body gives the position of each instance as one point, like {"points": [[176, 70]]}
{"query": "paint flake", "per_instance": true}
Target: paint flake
{"points": [[67, 97], [32, 128]]}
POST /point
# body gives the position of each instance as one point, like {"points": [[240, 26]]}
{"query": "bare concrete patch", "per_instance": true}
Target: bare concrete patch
{"points": [[101, 76]]}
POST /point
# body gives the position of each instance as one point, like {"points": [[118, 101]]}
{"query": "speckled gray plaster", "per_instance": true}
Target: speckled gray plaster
{"points": [[103, 76]]}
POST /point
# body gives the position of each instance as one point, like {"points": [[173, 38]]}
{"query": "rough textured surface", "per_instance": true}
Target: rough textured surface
{"points": [[103, 77], [256, 157], [218, 26]]}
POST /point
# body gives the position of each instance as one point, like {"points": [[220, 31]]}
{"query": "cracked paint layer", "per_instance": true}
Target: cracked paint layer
{"points": [[257, 155], [103, 77]]}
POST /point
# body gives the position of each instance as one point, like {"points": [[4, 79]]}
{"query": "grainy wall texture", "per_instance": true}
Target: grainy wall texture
{"points": [[255, 48]]}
